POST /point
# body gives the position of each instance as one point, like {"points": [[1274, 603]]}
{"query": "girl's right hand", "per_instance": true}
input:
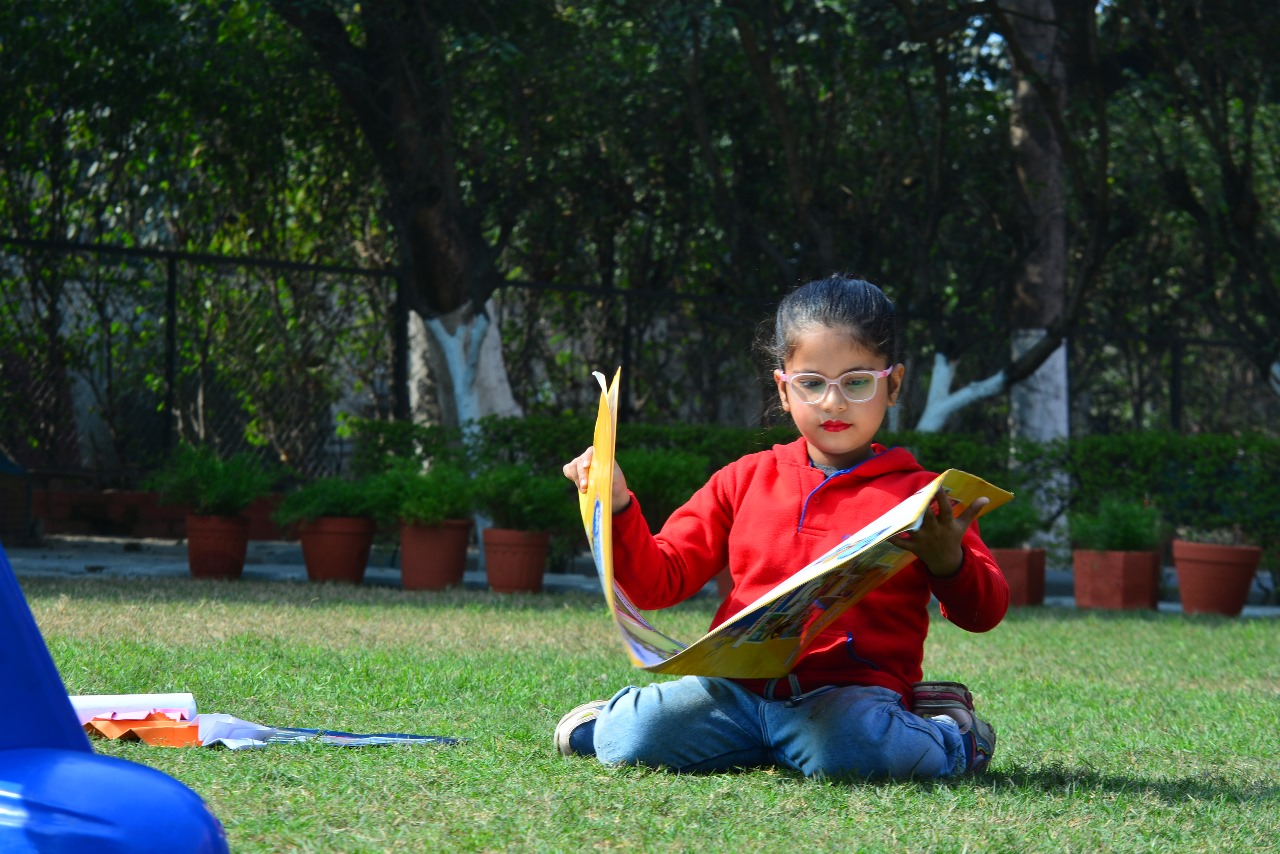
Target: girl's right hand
{"points": [[578, 468]]}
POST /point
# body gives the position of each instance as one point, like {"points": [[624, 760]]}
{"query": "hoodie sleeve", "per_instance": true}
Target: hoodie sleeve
{"points": [[664, 570], [977, 597]]}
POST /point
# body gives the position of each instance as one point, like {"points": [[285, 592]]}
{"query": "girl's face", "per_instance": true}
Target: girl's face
{"points": [[839, 433]]}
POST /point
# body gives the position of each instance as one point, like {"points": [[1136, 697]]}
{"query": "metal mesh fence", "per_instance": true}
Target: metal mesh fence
{"points": [[685, 359], [107, 358], [110, 356]]}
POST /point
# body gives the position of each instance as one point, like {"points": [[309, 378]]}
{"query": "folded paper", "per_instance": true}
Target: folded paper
{"points": [[170, 720], [89, 706]]}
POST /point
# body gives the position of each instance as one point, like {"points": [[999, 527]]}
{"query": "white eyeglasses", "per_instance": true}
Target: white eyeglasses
{"points": [[856, 386]]}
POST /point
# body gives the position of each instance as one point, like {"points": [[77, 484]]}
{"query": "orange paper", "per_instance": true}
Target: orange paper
{"points": [[156, 729]]}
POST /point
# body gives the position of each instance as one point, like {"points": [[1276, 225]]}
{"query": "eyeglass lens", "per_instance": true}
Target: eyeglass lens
{"points": [[856, 386]]}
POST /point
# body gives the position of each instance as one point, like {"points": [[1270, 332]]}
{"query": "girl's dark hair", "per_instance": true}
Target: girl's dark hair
{"points": [[837, 302]]}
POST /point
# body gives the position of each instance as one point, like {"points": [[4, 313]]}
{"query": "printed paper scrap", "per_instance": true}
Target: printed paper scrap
{"points": [[170, 720]]}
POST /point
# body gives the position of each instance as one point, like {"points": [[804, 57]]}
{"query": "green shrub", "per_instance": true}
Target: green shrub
{"points": [[1204, 481], [1010, 526], [382, 445], [337, 496], [941, 451], [443, 491], [197, 478], [519, 498], [662, 479], [541, 443], [1119, 524]]}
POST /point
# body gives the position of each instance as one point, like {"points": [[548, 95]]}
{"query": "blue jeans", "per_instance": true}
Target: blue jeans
{"points": [[706, 724]]}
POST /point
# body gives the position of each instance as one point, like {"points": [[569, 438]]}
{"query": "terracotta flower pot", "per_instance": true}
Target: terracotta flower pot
{"points": [[217, 545], [433, 557], [1214, 579], [1116, 580], [1024, 570], [515, 561], [336, 548]]}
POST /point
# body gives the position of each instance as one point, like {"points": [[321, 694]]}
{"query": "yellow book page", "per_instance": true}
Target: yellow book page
{"points": [[644, 644]]}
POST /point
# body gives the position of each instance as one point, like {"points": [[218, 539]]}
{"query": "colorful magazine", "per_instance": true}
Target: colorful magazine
{"points": [[764, 639]]}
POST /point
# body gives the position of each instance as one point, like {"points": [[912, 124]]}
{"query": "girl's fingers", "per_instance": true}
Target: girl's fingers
{"points": [[578, 468], [966, 518]]}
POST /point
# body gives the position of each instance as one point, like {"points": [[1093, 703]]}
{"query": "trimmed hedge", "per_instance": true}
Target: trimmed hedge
{"points": [[1200, 481]]}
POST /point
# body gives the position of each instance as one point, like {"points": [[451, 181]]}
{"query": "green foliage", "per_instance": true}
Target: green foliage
{"points": [[1011, 525], [519, 498], [1119, 524], [940, 451], [197, 478], [662, 479], [338, 496], [719, 445], [1204, 482], [381, 445], [443, 491], [541, 442]]}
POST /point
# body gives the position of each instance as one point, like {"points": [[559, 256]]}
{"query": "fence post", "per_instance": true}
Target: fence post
{"points": [[624, 394], [170, 348], [400, 350], [1175, 385]]}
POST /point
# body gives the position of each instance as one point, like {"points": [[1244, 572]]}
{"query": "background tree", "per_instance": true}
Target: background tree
{"points": [[633, 182], [1210, 106], [401, 66]]}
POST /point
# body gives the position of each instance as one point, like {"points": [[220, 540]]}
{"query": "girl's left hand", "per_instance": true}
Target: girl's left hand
{"points": [[937, 541]]}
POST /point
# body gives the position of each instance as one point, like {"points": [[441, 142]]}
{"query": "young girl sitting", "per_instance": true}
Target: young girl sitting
{"points": [[846, 709]]}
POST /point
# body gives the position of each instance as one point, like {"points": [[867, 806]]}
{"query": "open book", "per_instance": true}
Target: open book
{"points": [[765, 638]]}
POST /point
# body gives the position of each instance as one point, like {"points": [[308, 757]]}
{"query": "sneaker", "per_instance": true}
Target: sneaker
{"points": [[571, 722], [953, 700], [980, 746], [930, 699]]}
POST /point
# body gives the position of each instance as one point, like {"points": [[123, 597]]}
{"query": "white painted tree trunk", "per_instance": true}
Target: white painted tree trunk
{"points": [[1038, 408], [469, 351], [1038, 405], [942, 402], [1039, 412]]}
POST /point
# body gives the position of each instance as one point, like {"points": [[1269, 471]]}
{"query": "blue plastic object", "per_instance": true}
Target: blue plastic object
{"points": [[56, 794]]}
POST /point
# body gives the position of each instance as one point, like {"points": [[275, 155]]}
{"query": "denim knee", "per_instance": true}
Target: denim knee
{"points": [[623, 737], [858, 733], [879, 760]]}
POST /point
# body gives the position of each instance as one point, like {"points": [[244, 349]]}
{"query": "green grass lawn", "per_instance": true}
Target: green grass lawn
{"points": [[1116, 731]]}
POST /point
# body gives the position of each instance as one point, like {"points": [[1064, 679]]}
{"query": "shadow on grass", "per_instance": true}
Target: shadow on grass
{"points": [[1061, 780]]}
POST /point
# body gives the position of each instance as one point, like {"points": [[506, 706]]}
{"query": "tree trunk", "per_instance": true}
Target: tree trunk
{"points": [[1038, 407], [396, 83], [465, 355]]}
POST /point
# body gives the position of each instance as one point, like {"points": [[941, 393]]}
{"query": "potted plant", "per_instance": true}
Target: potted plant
{"points": [[1007, 532], [215, 492], [433, 510], [1116, 558], [525, 507], [1216, 568], [336, 521]]}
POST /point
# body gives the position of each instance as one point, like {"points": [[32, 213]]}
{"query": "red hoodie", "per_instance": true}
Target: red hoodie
{"points": [[770, 514]]}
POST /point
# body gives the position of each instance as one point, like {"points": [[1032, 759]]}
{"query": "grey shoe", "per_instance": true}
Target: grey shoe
{"points": [[953, 700], [930, 699], [576, 717], [983, 746]]}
